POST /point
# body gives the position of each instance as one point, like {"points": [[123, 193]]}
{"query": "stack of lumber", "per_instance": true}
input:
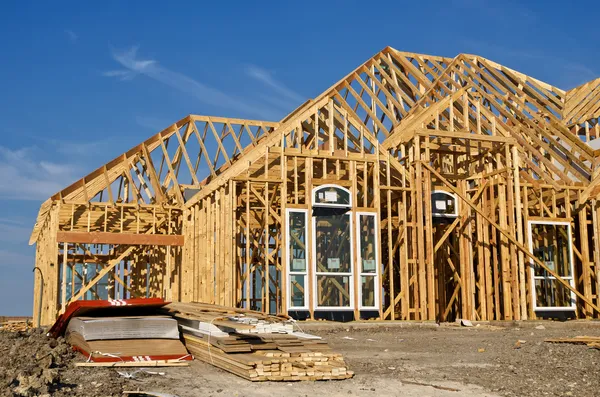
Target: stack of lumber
{"points": [[14, 326], [256, 346], [591, 341]]}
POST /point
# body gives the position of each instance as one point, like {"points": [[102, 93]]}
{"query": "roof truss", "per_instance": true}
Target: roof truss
{"points": [[386, 100]]}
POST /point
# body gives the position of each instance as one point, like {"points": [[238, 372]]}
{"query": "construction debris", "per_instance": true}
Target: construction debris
{"points": [[31, 363], [145, 364], [464, 323], [590, 341], [519, 344], [132, 375], [256, 346], [147, 394]]}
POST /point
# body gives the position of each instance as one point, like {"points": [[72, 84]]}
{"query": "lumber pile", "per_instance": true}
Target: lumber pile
{"points": [[590, 341], [14, 326], [256, 346]]}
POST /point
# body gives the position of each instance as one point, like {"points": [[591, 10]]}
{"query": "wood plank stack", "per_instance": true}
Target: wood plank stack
{"points": [[14, 326], [590, 341], [255, 346]]}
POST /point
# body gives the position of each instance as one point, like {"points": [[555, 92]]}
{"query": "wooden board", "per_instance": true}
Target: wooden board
{"points": [[119, 238]]}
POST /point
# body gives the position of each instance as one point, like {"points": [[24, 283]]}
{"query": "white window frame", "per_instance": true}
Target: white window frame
{"points": [[316, 274], [377, 262], [314, 191], [456, 211], [534, 277], [288, 267]]}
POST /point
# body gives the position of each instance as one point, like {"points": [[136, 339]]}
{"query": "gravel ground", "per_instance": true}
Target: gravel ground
{"points": [[507, 361], [388, 360]]}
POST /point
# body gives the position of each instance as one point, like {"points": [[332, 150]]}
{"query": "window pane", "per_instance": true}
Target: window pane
{"points": [[297, 289], [551, 246], [367, 244], [443, 203], [297, 243], [333, 291], [332, 242], [551, 293], [332, 195], [368, 290]]}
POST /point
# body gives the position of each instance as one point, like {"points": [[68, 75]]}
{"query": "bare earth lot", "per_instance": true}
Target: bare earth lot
{"points": [[393, 360]]}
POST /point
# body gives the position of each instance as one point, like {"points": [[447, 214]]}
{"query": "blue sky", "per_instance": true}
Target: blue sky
{"points": [[82, 82]]}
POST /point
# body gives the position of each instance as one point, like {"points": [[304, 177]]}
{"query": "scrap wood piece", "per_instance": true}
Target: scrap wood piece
{"points": [[153, 363], [147, 394], [576, 340], [410, 382]]}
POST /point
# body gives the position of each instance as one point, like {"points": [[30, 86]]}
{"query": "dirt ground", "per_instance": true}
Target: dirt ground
{"points": [[388, 360]]}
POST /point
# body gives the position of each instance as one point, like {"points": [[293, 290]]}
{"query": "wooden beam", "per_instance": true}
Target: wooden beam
{"points": [[464, 135], [119, 238]]}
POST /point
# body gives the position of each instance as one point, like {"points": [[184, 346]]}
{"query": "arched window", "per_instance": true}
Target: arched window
{"points": [[332, 196], [444, 204]]}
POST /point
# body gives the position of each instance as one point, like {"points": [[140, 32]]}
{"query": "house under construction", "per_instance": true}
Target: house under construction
{"points": [[418, 187]]}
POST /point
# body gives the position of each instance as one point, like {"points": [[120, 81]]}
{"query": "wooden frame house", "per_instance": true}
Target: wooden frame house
{"points": [[416, 188]]}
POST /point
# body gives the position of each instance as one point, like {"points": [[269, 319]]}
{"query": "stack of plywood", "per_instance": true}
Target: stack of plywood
{"points": [[126, 338], [126, 332], [256, 346]]}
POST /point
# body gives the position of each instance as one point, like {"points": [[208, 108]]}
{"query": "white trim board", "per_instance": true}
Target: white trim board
{"points": [[532, 270]]}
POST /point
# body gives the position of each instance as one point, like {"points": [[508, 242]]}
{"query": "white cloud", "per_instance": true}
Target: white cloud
{"points": [[278, 103], [151, 68], [25, 176], [123, 75], [266, 77], [73, 37], [54, 169]]}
